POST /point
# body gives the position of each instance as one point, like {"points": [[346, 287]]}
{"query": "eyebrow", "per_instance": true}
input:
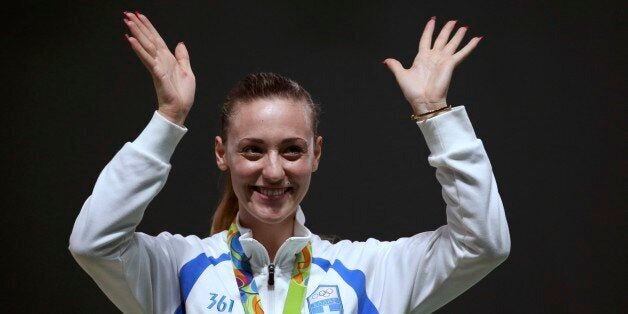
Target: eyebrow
{"points": [[258, 140]]}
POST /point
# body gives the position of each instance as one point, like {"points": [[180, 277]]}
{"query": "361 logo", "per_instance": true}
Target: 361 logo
{"points": [[221, 303]]}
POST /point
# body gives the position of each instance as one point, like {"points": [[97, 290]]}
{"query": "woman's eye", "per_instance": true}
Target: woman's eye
{"points": [[250, 150], [294, 150]]}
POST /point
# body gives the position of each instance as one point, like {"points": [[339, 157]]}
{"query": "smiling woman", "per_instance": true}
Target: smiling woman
{"points": [[270, 146], [260, 256]]}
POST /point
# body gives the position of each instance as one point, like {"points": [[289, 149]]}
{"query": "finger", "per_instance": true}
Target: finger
{"points": [[139, 24], [394, 66], [146, 43], [144, 56], [442, 38], [426, 39], [181, 53], [451, 47], [159, 41], [466, 50]]}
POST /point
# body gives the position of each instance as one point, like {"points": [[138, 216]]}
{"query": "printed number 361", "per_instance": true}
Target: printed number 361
{"points": [[220, 304]]}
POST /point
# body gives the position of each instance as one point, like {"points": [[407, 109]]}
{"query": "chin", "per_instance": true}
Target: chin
{"points": [[269, 215]]}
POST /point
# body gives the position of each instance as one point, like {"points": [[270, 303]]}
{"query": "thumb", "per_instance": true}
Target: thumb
{"points": [[394, 66], [182, 56]]}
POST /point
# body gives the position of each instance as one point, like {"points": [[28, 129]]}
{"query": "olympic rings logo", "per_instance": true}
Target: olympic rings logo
{"points": [[323, 293]]}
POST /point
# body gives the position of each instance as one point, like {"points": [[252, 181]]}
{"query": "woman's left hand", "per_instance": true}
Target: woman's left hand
{"points": [[426, 82]]}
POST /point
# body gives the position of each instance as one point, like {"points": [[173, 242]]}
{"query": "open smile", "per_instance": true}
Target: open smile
{"points": [[271, 194]]}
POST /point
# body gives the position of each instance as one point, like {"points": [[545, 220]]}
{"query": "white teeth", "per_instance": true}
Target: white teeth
{"points": [[272, 192]]}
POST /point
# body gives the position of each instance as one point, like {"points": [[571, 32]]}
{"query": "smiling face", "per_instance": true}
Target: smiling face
{"points": [[270, 153]]}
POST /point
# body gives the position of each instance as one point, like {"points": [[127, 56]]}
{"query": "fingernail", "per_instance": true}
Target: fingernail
{"points": [[480, 38], [466, 26], [126, 37], [433, 17], [125, 13], [384, 61], [137, 13]]}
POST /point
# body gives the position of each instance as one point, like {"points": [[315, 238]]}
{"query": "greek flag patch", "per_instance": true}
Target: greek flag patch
{"points": [[325, 299]]}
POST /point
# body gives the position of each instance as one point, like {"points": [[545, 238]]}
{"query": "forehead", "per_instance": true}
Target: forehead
{"points": [[270, 119]]}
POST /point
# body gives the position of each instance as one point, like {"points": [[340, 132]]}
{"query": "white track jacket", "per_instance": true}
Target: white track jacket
{"points": [[170, 273]]}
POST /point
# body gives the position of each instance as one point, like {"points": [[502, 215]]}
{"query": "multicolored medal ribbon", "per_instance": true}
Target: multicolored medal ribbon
{"points": [[249, 293]]}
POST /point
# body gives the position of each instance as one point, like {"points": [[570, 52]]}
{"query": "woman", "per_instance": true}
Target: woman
{"points": [[260, 256]]}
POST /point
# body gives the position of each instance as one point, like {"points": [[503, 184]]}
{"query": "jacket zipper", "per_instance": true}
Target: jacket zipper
{"points": [[271, 274], [271, 279], [271, 287]]}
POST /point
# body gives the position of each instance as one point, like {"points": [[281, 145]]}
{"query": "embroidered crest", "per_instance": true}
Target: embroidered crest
{"points": [[325, 299]]}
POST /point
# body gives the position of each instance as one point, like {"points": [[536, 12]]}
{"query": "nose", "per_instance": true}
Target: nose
{"points": [[273, 172]]}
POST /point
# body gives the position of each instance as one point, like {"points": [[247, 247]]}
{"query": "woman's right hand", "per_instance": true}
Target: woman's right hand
{"points": [[172, 75]]}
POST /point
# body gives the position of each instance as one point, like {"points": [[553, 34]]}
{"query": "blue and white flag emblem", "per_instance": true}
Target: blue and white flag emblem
{"points": [[326, 299]]}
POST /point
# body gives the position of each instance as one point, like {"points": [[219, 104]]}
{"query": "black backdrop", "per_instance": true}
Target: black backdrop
{"points": [[543, 90]]}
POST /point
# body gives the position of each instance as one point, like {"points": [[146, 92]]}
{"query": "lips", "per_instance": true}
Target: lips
{"points": [[271, 194], [271, 191]]}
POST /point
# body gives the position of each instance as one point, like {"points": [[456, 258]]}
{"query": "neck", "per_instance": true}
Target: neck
{"points": [[271, 236]]}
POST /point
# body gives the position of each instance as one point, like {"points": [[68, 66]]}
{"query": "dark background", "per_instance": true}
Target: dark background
{"points": [[544, 90]]}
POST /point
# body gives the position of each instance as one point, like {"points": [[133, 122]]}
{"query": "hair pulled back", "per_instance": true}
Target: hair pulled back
{"points": [[253, 87]]}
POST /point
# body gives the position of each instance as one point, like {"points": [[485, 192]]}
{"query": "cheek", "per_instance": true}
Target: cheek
{"points": [[243, 169], [301, 171]]}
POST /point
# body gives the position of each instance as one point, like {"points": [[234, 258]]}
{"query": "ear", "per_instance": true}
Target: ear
{"points": [[220, 149], [318, 149]]}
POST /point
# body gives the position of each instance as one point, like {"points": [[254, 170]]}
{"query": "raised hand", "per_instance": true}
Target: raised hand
{"points": [[173, 79], [426, 82]]}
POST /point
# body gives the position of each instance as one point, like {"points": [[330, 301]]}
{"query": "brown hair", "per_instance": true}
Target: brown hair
{"points": [[255, 86]]}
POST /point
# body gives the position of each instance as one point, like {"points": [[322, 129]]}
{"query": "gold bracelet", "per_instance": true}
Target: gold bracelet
{"points": [[415, 117]]}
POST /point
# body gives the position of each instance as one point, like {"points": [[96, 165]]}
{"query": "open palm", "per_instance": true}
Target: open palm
{"points": [[172, 75], [426, 82]]}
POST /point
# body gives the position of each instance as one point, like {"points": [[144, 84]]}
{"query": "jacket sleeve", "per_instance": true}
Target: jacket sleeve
{"points": [[136, 271], [443, 263]]}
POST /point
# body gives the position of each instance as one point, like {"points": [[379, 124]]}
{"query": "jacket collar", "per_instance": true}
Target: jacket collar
{"points": [[284, 259]]}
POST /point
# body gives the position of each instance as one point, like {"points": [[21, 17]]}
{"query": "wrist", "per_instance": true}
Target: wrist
{"points": [[425, 107], [426, 110], [177, 118]]}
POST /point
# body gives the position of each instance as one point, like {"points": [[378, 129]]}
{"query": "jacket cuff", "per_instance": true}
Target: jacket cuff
{"points": [[160, 137], [447, 130]]}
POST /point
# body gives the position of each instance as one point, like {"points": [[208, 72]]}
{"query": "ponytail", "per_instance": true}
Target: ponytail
{"points": [[227, 208]]}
